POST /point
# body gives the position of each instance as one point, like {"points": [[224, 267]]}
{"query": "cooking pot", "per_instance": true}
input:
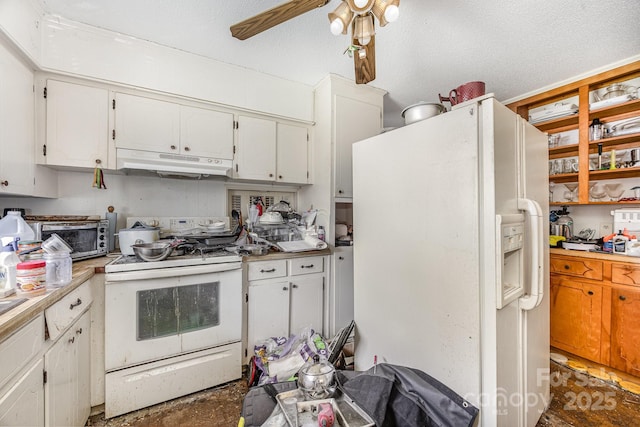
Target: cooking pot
{"points": [[421, 111], [155, 251], [138, 233], [317, 379]]}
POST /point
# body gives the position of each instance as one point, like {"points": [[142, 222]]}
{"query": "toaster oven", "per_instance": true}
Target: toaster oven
{"points": [[88, 239]]}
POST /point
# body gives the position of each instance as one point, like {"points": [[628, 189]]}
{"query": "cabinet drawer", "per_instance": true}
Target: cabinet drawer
{"points": [[585, 268], [307, 265], [63, 313], [18, 350], [625, 274], [267, 269]]}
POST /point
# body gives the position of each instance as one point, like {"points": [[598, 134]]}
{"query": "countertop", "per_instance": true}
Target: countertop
{"points": [[15, 318], [595, 255]]}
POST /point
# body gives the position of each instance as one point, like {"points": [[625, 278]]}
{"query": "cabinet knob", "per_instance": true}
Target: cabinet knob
{"points": [[340, 191], [340, 258], [284, 288], [173, 147], [187, 149], [72, 340], [622, 298], [590, 292], [98, 161], [279, 176], [294, 286], [4, 183], [270, 175], [566, 267], [79, 331]]}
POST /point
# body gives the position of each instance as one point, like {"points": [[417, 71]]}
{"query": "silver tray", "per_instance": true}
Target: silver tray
{"points": [[299, 411]]}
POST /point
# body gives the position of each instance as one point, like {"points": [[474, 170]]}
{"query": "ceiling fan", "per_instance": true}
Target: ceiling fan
{"points": [[357, 15]]}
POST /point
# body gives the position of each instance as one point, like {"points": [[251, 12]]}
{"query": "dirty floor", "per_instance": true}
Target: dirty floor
{"points": [[578, 400]]}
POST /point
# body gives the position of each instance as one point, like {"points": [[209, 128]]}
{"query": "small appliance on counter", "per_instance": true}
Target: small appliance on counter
{"points": [[86, 235]]}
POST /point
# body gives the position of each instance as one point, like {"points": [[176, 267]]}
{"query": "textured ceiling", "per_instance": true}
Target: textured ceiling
{"points": [[515, 46]]}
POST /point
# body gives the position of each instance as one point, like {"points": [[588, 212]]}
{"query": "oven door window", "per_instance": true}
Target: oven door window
{"points": [[178, 309], [80, 239]]}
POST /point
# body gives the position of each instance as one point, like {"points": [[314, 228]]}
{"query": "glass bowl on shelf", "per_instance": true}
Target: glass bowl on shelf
{"points": [[571, 194], [614, 191]]}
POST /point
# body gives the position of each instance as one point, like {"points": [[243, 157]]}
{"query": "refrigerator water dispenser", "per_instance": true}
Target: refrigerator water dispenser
{"points": [[510, 263]]}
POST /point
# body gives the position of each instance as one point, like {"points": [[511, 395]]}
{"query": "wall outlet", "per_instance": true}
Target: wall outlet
{"points": [[606, 228]]}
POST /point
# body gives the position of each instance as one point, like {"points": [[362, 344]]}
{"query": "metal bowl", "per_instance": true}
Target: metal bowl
{"points": [[421, 111], [155, 251], [317, 379]]}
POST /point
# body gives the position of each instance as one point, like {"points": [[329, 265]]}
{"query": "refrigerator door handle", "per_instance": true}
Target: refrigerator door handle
{"points": [[534, 211]]}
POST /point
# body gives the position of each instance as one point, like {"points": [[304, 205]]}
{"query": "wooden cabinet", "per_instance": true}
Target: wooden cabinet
{"points": [[595, 307], [582, 93], [270, 151], [77, 125], [150, 124], [284, 297], [576, 312], [16, 125]]}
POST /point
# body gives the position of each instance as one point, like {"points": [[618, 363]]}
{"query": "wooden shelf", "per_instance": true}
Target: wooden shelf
{"points": [[614, 174], [616, 110], [559, 125]]}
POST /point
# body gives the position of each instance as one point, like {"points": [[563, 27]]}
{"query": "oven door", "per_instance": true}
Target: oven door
{"points": [[159, 317]]}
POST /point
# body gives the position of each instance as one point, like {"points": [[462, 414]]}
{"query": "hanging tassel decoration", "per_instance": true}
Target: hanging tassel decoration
{"points": [[98, 177]]}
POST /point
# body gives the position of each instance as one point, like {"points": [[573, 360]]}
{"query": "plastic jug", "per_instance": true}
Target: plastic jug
{"points": [[8, 262], [12, 225]]}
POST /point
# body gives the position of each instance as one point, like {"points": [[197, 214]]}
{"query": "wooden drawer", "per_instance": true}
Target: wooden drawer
{"points": [[63, 313], [266, 269], [577, 267], [18, 350], [307, 265], [625, 274]]}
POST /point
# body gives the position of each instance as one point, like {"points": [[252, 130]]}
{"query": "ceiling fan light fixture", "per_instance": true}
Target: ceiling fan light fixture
{"points": [[386, 11], [360, 7], [363, 28], [340, 19]]}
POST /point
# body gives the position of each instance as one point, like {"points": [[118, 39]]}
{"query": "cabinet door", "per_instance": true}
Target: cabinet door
{"points": [[576, 312], [256, 149], [625, 329], [67, 390], [292, 154], [23, 404], [77, 128], [307, 303], [343, 288], [354, 121], [16, 126], [206, 133], [268, 311], [147, 124]]}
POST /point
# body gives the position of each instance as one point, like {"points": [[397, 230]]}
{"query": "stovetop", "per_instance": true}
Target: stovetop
{"points": [[133, 263]]}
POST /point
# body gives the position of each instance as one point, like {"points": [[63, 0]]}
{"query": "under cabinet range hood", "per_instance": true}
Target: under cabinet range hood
{"points": [[169, 165]]}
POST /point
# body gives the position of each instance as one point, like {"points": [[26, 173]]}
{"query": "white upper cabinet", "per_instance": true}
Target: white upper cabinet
{"points": [[367, 118], [255, 149], [271, 151], [77, 125], [149, 124], [292, 152], [16, 125]]}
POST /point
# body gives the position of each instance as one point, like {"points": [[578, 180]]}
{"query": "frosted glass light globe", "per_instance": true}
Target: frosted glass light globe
{"points": [[364, 40], [391, 13], [337, 27], [360, 3]]}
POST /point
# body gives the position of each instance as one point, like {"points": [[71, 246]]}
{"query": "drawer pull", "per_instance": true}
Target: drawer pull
{"points": [[271, 270], [307, 266], [75, 304], [72, 340], [590, 292], [622, 298], [566, 267]]}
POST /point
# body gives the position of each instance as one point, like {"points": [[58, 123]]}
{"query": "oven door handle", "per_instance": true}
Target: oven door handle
{"points": [[157, 273]]}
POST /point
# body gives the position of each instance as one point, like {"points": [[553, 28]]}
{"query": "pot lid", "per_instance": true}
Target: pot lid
{"points": [[140, 226], [418, 104]]}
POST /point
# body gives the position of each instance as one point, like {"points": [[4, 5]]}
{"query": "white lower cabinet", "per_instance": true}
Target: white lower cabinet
{"points": [[341, 290], [284, 297], [23, 403], [68, 382]]}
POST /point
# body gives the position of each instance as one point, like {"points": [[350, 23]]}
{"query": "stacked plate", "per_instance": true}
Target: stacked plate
{"points": [[215, 227], [554, 112]]}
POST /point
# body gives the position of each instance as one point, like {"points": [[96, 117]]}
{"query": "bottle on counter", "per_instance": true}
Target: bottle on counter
{"points": [[619, 243], [321, 233], [8, 262], [12, 225]]}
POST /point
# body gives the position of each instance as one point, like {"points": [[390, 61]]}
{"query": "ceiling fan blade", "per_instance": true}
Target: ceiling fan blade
{"points": [[365, 68], [274, 16]]}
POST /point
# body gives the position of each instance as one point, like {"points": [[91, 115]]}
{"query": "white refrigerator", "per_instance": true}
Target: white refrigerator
{"points": [[451, 256]]}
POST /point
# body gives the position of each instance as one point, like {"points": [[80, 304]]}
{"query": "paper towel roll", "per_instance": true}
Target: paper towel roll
{"points": [[315, 242]]}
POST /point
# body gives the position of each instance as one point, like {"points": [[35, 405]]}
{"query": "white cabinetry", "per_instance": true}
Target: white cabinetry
{"points": [[341, 294], [150, 124], [67, 389], [16, 125], [284, 297], [77, 125], [270, 151]]}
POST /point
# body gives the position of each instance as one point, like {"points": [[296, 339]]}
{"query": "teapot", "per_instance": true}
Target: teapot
{"points": [[464, 92]]}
